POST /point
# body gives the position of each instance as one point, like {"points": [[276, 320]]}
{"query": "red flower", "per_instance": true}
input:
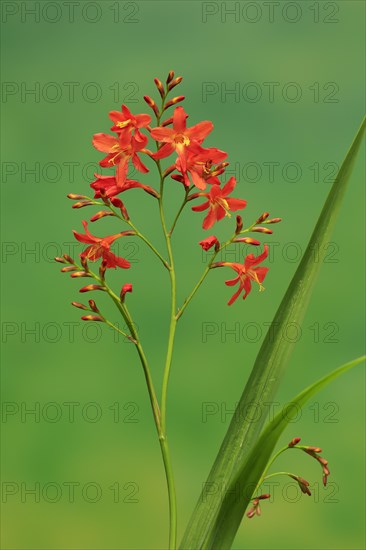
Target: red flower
{"points": [[125, 121], [199, 164], [110, 187], [120, 150], [218, 203], [180, 138], [246, 274], [209, 242], [100, 248]]}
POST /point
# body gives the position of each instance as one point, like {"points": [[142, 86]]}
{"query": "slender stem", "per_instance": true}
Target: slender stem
{"points": [[206, 271], [122, 308], [264, 475], [133, 226], [168, 363]]}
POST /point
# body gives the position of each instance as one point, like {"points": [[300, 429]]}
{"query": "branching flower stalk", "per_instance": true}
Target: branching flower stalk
{"points": [[197, 169]]}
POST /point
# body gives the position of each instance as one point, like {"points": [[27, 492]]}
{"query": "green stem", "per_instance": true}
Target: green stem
{"points": [[206, 271]]}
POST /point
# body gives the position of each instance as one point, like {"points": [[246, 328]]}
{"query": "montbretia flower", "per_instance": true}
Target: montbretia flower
{"points": [[119, 152], [125, 122], [110, 187], [100, 248], [218, 203], [201, 167], [246, 273], [180, 138]]}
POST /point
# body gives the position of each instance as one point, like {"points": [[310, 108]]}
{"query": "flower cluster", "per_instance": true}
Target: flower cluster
{"points": [[303, 484], [194, 165]]}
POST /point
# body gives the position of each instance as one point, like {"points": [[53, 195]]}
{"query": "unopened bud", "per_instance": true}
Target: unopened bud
{"points": [[119, 204], [170, 77], [68, 259], [262, 230], [247, 240], [274, 220], [102, 270], [263, 217], [88, 288], [92, 318], [80, 274], [151, 103], [84, 263], [79, 305], [174, 101], [60, 260], [160, 87], [93, 306], [294, 441], [169, 170], [69, 268], [81, 204], [74, 197], [167, 122], [175, 82], [239, 224], [126, 288], [101, 214]]}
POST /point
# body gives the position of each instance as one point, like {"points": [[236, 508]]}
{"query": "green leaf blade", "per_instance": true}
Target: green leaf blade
{"points": [[270, 363]]}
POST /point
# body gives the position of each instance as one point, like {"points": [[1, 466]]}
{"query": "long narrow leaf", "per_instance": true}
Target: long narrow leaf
{"points": [[238, 494], [270, 364]]}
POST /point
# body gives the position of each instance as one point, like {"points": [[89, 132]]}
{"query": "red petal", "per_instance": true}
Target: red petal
{"points": [[229, 186], [179, 120], [104, 142], [164, 151], [236, 204], [209, 219], [138, 164], [201, 207], [162, 134], [251, 260], [200, 130]]}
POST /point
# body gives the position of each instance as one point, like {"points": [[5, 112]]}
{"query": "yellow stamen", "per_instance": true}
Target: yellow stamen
{"points": [[123, 124]]}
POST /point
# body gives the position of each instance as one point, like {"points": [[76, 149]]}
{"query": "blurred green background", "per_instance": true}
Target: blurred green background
{"points": [[297, 68]]}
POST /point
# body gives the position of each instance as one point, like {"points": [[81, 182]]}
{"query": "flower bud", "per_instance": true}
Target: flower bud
{"points": [[126, 288], [69, 268], [294, 441], [169, 170], [74, 197], [174, 101], [263, 217], [101, 214], [93, 306], [79, 305], [80, 274], [119, 204], [88, 288], [68, 259], [167, 122], [262, 230], [102, 270], [92, 318], [170, 77], [60, 260], [247, 240], [160, 87], [239, 224], [81, 204], [274, 220], [175, 82], [151, 103], [209, 242]]}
